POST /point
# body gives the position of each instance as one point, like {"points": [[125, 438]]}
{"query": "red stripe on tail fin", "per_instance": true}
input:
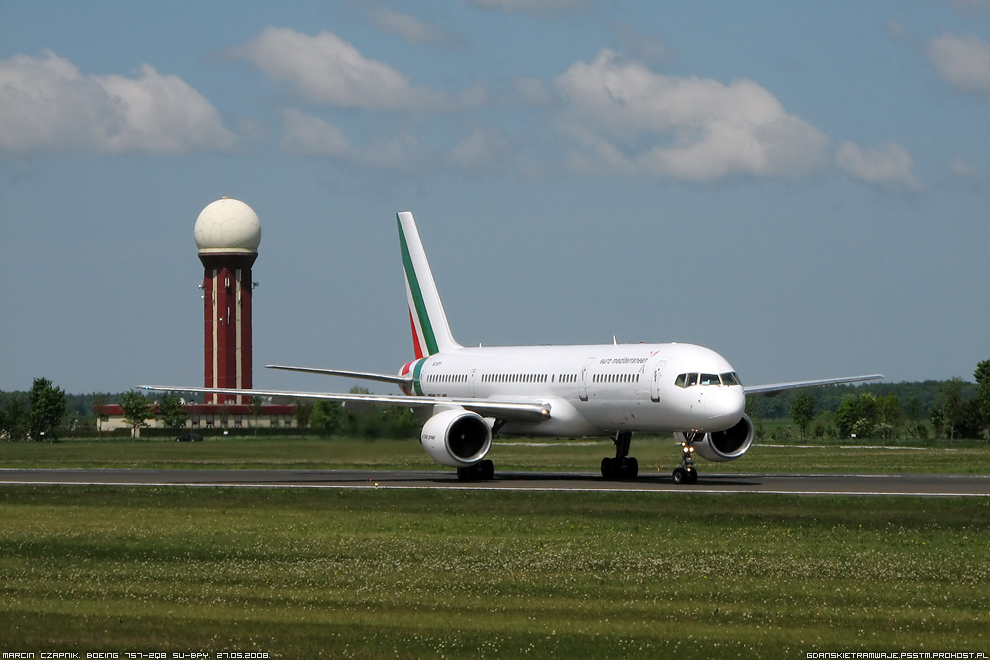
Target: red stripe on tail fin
{"points": [[417, 346]]}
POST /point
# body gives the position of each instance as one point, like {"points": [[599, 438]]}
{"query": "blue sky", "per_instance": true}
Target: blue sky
{"points": [[803, 187]]}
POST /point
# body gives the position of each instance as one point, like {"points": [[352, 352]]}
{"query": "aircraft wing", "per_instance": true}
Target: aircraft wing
{"points": [[776, 388], [533, 410], [361, 375]]}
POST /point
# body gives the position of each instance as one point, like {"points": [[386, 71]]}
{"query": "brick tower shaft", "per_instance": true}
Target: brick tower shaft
{"points": [[227, 287]]}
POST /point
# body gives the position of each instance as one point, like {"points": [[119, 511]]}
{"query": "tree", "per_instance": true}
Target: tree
{"points": [[890, 415], [401, 423], [857, 415], [754, 409], [256, 403], [14, 420], [136, 410], [937, 416], [847, 415], [47, 409], [952, 403], [982, 376], [328, 417], [913, 410], [802, 412], [171, 411], [303, 411]]}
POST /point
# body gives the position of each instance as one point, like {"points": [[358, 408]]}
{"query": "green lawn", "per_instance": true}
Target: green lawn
{"points": [[317, 573], [654, 454]]}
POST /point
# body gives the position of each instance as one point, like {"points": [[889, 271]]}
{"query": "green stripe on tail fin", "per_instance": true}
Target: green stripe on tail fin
{"points": [[431, 332]]}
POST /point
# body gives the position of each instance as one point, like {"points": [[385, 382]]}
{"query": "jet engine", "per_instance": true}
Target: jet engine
{"points": [[721, 446], [456, 438]]}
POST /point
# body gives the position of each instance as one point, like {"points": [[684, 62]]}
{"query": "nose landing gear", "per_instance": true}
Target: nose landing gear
{"points": [[685, 473]]}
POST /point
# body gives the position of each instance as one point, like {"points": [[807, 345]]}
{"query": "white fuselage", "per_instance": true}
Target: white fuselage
{"points": [[593, 390]]}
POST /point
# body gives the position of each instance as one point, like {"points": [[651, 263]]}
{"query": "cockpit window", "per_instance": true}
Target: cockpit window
{"points": [[689, 380]]}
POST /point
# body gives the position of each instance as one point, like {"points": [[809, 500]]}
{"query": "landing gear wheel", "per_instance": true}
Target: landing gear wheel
{"points": [[487, 469], [622, 466], [680, 476], [480, 471], [692, 476]]}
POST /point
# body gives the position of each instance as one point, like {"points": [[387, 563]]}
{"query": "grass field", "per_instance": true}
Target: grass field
{"points": [[370, 574], [317, 573], [314, 453]]}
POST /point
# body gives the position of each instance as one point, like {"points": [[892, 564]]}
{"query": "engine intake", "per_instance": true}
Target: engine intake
{"points": [[727, 445], [456, 438]]}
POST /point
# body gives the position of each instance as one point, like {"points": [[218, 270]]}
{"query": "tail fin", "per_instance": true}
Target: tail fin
{"points": [[431, 333]]}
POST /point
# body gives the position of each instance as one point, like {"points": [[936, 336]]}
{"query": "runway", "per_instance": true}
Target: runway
{"points": [[910, 484]]}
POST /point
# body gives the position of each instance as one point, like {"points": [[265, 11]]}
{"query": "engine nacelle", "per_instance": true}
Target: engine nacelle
{"points": [[456, 438], [727, 445]]}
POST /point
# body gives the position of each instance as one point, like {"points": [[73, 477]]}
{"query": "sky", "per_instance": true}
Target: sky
{"points": [[802, 187]]}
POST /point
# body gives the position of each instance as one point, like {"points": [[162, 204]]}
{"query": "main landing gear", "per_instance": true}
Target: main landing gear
{"points": [[480, 471], [686, 474], [623, 466]]}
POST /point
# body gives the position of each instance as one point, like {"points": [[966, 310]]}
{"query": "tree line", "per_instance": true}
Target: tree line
{"points": [[46, 412], [953, 409], [950, 409]]}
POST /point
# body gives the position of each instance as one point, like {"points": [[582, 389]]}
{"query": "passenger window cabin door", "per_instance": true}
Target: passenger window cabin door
{"points": [[583, 382], [655, 381]]}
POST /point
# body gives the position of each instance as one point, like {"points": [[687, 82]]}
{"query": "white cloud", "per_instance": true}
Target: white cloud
{"points": [[414, 30], [479, 149], [532, 91], [306, 135], [633, 121], [963, 171], [310, 136], [961, 168], [646, 48], [326, 69], [48, 106], [887, 165], [896, 29], [962, 62]]}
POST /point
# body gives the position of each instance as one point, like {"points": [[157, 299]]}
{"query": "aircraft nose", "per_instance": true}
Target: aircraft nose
{"points": [[728, 403]]}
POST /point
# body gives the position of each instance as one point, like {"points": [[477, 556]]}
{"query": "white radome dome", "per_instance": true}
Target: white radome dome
{"points": [[228, 225]]}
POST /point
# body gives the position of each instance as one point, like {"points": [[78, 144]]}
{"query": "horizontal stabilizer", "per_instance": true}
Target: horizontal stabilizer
{"points": [[360, 375], [781, 387]]}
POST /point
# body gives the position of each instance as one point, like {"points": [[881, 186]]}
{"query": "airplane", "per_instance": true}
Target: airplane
{"points": [[465, 395]]}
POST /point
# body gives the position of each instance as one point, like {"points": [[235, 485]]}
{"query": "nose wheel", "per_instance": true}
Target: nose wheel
{"points": [[685, 473]]}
